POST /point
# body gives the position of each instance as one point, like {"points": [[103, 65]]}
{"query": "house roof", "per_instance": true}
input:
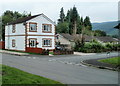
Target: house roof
{"points": [[76, 37], [106, 39], [88, 38], [21, 20], [67, 36]]}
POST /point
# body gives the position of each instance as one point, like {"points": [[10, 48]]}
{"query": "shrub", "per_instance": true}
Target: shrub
{"points": [[96, 47], [92, 47], [109, 46], [45, 52]]}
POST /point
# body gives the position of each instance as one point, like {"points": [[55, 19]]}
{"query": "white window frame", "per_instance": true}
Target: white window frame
{"points": [[13, 28], [13, 43], [47, 27], [47, 42], [34, 29]]}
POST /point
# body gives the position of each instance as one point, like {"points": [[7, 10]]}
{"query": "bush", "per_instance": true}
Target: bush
{"points": [[96, 47], [109, 46], [92, 48], [45, 52]]}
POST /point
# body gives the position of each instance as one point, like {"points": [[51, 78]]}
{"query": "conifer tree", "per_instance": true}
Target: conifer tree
{"points": [[62, 16], [87, 23]]}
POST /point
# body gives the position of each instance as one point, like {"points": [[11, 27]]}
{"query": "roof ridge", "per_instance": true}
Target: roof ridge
{"points": [[24, 19]]}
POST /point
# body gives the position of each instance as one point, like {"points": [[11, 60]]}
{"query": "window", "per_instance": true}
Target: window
{"points": [[32, 42], [33, 27], [47, 27], [13, 43], [13, 28], [47, 42], [57, 37]]}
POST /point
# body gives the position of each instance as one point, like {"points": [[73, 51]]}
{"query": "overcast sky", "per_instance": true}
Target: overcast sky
{"points": [[97, 10]]}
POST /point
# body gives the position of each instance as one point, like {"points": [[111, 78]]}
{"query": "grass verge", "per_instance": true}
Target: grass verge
{"points": [[12, 75], [24, 52], [113, 61]]}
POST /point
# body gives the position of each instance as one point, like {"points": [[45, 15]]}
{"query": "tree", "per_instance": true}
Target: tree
{"points": [[62, 16], [62, 28], [74, 18], [87, 23], [76, 24], [9, 16], [67, 18], [99, 33]]}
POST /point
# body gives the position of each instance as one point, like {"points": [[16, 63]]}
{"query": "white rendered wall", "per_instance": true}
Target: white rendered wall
{"points": [[39, 34], [18, 36], [41, 20], [39, 39], [19, 43], [19, 29]]}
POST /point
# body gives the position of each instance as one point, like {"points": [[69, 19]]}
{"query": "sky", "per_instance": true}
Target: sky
{"points": [[97, 10]]}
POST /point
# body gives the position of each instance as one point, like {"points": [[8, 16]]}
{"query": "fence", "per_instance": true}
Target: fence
{"points": [[62, 52], [2, 45]]}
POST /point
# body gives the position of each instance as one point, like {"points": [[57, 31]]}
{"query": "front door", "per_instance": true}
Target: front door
{"points": [[32, 42]]}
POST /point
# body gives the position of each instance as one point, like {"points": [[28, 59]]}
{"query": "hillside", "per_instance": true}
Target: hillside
{"points": [[108, 27]]}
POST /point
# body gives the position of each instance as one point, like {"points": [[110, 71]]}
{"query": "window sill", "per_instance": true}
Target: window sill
{"points": [[46, 46], [32, 31], [46, 31]]}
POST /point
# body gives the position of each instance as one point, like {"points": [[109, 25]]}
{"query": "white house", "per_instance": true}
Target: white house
{"points": [[30, 34]]}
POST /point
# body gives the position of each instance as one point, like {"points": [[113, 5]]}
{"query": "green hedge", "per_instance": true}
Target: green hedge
{"points": [[96, 47], [92, 48]]}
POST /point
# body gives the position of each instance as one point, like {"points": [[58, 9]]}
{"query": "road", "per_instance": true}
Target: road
{"points": [[64, 68]]}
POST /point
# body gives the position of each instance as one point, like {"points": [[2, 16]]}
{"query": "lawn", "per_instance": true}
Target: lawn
{"points": [[114, 61], [12, 75]]}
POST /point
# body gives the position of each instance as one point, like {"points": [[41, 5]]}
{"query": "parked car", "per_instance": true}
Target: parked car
{"points": [[57, 47]]}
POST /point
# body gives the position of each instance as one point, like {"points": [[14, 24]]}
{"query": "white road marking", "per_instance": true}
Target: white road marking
{"points": [[29, 57], [83, 65], [34, 57], [24, 56], [78, 64], [66, 62], [52, 60]]}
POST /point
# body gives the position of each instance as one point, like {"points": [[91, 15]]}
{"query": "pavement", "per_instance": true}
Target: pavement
{"points": [[14, 53], [80, 53], [63, 68], [26, 54], [101, 65], [23, 54]]}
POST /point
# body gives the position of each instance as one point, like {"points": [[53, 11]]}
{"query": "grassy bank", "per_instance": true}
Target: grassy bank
{"points": [[113, 61], [12, 75]]}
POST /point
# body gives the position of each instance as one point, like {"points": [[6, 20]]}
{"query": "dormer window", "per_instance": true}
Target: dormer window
{"points": [[13, 28], [32, 27], [46, 28]]}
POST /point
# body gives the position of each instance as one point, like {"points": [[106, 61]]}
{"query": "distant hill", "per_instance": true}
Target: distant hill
{"points": [[108, 27]]}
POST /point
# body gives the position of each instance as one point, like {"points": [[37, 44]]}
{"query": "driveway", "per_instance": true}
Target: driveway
{"points": [[64, 68]]}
